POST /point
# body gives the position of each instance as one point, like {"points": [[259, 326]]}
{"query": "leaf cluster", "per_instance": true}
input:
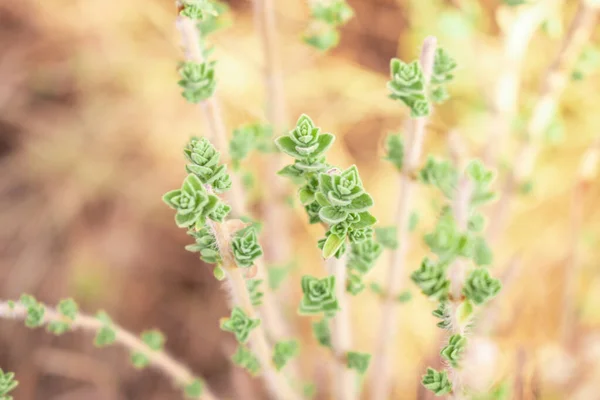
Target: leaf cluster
{"points": [[326, 19]]}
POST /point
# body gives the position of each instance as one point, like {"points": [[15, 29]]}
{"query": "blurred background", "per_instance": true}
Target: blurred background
{"points": [[92, 125]]}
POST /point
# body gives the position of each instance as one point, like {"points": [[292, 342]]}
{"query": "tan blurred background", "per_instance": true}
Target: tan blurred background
{"points": [[91, 129]]}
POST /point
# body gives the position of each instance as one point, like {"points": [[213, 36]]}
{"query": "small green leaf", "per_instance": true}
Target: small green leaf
{"points": [[480, 286], [247, 360], [454, 350], [387, 236], [7, 384], [318, 295], [358, 361], [283, 352], [239, 324], [395, 150], [139, 360], [332, 245], [194, 389], [437, 382], [322, 332]]}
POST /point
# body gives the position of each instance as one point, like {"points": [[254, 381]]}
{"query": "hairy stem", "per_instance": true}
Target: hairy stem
{"points": [[506, 90], [381, 384], [237, 196], [239, 296], [179, 373], [345, 379], [544, 110], [572, 268]]}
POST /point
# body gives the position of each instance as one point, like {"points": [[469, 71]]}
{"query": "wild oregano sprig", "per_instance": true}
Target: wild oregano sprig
{"points": [[318, 295], [197, 80], [66, 317], [197, 9], [240, 324], [7, 384], [327, 16]]}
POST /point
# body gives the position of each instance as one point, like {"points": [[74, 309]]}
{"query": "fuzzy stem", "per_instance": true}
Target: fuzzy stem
{"points": [[237, 196], [553, 85], [506, 91], [190, 36], [277, 245], [345, 379], [161, 360], [236, 285], [381, 384], [572, 268]]}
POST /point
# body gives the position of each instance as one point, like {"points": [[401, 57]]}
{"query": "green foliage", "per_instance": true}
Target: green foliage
{"points": [[514, 3], [68, 309], [327, 17], [482, 254], [482, 179], [194, 389], [244, 358], [358, 361], [204, 163], [354, 284], [318, 295], [363, 256], [446, 241], [197, 80], [239, 324], [106, 335], [407, 84], [7, 384], [248, 138], [441, 174], [480, 286], [276, 275], [192, 203], [437, 382], [305, 142], [442, 314], [588, 63], [206, 245], [284, 351], [394, 145], [214, 22], [35, 311], [322, 332], [431, 279], [387, 237], [197, 9], [256, 296], [404, 297], [454, 350], [245, 247], [443, 67]]}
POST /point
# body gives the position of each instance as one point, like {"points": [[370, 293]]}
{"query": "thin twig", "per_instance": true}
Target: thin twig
{"points": [[236, 197], [543, 113], [345, 379], [381, 387], [240, 297], [572, 268], [517, 38], [161, 360]]}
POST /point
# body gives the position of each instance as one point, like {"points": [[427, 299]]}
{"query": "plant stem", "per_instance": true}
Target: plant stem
{"points": [[381, 387], [506, 90], [211, 110], [277, 244], [572, 268], [345, 379], [237, 196], [239, 296], [179, 373], [543, 113]]}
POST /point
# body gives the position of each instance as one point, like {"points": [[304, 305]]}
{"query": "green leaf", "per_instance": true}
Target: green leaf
{"points": [[358, 361], [197, 80], [284, 351], [404, 297], [437, 382], [387, 237], [276, 276], [256, 295], [322, 332], [364, 255], [239, 324], [197, 9], [139, 360], [454, 350], [247, 360], [431, 279], [365, 220], [35, 311], [354, 284], [7, 384], [153, 339], [194, 389], [68, 308], [395, 150], [245, 247], [323, 39], [332, 215], [306, 195], [361, 203], [106, 335], [480, 286], [318, 295], [334, 12], [332, 245]]}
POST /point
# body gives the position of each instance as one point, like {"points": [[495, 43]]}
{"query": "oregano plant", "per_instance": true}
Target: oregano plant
{"points": [[280, 311]]}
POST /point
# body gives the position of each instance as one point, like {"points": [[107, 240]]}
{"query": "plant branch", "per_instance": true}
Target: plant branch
{"points": [[552, 87], [179, 373], [381, 386], [239, 296], [345, 379], [517, 38]]}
